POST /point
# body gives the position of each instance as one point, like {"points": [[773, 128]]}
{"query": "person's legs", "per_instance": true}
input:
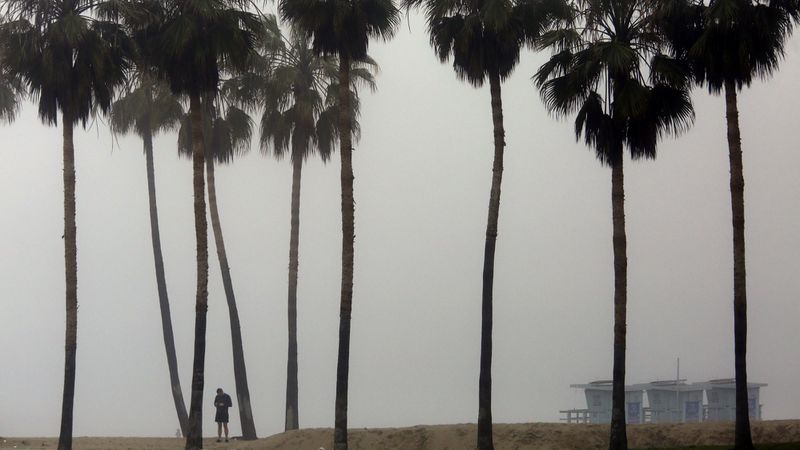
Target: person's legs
{"points": [[219, 430], [225, 425]]}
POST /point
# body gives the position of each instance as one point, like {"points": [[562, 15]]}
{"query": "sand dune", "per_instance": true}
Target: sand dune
{"points": [[539, 436]]}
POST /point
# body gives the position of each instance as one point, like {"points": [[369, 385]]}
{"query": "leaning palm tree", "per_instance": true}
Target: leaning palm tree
{"points": [[484, 39], [147, 108], [728, 43], [343, 28], [225, 138], [187, 43], [298, 96], [609, 68], [71, 62]]}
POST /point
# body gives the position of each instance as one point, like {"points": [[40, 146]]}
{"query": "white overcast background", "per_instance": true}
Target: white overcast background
{"points": [[423, 169]]}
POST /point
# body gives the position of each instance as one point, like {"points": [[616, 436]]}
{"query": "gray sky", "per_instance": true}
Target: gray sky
{"points": [[422, 170]]}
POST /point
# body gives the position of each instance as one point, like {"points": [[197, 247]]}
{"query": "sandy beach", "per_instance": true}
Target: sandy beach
{"points": [[540, 436]]}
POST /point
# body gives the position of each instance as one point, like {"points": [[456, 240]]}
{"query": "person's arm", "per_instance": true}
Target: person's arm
{"points": [[229, 401]]}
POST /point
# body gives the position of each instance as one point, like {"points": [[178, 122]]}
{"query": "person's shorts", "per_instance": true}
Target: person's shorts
{"points": [[222, 416]]}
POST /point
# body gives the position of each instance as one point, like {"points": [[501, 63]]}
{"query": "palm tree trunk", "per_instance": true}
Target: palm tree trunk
{"points": [[743, 440], [292, 413], [71, 275], [161, 282], [239, 368], [194, 438], [348, 239], [619, 438], [485, 441]]}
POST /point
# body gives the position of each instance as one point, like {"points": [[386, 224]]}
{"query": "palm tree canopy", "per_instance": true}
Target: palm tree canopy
{"points": [[69, 60], [149, 107], [191, 42], [295, 108], [10, 94], [11, 91], [300, 99], [486, 36], [609, 68], [9, 99], [342, 27], [226, 136], [729, 40]]}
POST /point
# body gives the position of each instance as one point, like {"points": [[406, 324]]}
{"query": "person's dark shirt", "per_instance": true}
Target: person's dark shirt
{"points": [[223, 402]]}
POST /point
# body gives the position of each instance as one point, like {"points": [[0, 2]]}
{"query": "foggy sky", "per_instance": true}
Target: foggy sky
{"points": [[423, 170]]}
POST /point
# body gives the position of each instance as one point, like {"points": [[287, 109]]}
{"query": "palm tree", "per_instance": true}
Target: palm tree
{"points": [[599, 71], [343, 28], [147, 109], [484, 38], [296, 120], [728, 43], [70, 62], [187, 43], [225, 138], [298, 96]]}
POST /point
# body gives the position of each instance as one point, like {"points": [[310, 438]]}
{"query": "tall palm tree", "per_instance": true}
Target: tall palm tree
{"points": [[298, 96], [728, 43], [225, 138], [296, 120], [343, 28], [71, 62], [148, 108], [187, 43], [599, 70], [484, 39]]}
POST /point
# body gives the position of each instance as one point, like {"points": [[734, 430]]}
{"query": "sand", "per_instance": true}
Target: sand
{"points": [[540, 436]]}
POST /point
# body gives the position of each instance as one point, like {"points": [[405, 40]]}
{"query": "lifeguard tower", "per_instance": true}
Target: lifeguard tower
{"points": [[669, 401], [598, 402], [721, 395], [674, 401]]}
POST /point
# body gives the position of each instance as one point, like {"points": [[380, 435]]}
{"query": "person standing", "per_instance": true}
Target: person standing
{"points": [[222, 402]]}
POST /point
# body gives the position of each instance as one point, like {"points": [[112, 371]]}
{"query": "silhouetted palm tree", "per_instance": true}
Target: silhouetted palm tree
{"points": [[225, 138], [188, 43], [484, 38], [343, 28], [728, 43], [297, 90], [296, 120], [71, 62], [599, 70], [148, 108]]}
